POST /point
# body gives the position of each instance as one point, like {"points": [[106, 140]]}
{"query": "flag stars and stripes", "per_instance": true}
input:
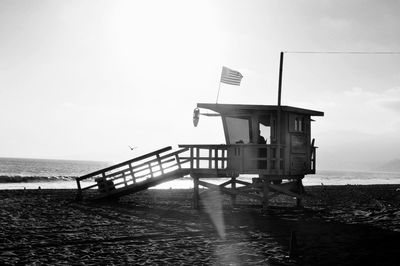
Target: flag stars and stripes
{"points": [[230, 76]]}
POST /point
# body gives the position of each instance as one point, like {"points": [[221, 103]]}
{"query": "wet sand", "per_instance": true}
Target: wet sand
{"points": [[339, 225]]}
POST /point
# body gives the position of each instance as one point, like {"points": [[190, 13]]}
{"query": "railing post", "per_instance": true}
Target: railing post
{"points": [[178, 161], [151, 170], [197, 157], [191, 158], [105, 181], [209, 157], [132, 173], [123, 175], [216, 158], [224, 158], [196, 192], [314, 159], [160, 164]]}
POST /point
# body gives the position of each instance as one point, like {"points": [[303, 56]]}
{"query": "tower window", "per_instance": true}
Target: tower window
{"points": [[299, 124]]}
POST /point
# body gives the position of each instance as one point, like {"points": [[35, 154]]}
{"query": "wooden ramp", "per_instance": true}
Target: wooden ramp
{"points": [[134, 175]]}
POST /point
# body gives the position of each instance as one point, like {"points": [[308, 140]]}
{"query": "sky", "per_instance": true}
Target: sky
{"points": [[85, 79]]}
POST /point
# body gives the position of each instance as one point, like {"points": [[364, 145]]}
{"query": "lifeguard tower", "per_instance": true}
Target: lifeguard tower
{"points": [[268, 150], [270, 143]]}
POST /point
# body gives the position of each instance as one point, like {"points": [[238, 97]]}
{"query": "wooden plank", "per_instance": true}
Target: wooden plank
{"points": [[226, 183], [144, 185], [142, 167], [227, 190], [156, 171], [284, 190], [89, 187], [205, 158], [133, 170], [242, 182]]}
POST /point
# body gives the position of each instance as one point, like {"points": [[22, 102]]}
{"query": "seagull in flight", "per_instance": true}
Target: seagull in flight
{"points": [[132, 148]]}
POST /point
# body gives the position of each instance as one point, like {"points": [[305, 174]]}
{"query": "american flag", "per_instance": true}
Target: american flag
{"points": [[230, 76]]}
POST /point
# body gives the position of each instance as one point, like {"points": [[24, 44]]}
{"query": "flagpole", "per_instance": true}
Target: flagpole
{"points": [[278, 124], [219, 87], [280, 79]]}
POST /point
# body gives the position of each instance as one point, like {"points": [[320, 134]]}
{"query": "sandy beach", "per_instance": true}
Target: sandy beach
{"points": [[339, 225]]}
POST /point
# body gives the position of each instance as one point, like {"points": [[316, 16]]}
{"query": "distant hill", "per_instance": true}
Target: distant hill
{"points": [[391, 166]]}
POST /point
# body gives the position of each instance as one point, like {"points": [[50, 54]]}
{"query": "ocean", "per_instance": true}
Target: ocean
{"points": [[17, 173]]}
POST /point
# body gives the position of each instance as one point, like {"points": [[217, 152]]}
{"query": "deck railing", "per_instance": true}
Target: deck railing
{"points": [[205, 156], [133, 171], [313, 159], [236, 158]]}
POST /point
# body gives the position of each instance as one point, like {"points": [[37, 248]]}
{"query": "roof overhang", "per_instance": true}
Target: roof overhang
{"points": [[241, 109]]}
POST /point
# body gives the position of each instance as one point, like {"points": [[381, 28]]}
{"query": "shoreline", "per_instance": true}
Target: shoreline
{"points": [[339, 225], [185, 183]]}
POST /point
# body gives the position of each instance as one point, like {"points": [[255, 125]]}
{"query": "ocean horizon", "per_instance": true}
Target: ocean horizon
{"points": [[20, 173]]}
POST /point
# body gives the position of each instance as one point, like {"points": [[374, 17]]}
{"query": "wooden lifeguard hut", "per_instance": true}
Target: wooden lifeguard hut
{"points": [[272, 143]]}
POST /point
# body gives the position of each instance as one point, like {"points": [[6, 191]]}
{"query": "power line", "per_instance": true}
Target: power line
{"points": [[341, 52]]}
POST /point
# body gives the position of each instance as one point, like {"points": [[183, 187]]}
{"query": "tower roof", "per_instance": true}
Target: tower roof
{"points": [[233, 109]]}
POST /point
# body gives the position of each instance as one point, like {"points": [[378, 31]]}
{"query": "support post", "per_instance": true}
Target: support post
{"points": [[300, 189], [196, 196], [233, 187], [265, 190], [79, 194], [293, 245]]}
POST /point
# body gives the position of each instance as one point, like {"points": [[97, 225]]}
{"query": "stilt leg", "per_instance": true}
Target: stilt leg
{"points": [[196, 193], [300, 189], [233, 187], [265, 195]]}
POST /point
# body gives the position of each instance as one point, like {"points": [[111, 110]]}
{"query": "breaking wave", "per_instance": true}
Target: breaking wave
{"points": [[23, 178]]}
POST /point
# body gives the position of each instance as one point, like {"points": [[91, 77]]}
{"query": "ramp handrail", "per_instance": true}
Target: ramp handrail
{"points": [[132, 171], [124, 163]]}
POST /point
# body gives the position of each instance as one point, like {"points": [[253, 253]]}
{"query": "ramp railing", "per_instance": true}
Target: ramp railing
{"points": [[131, 172]]}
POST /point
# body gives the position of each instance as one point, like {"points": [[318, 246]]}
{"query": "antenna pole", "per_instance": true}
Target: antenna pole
{"points": [[280, 80], [278, 118]]}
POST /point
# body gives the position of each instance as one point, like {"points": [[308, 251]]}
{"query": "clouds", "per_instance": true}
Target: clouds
{"points": [[390, 100], [106, 71], [392, 105], [363, 110]]}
